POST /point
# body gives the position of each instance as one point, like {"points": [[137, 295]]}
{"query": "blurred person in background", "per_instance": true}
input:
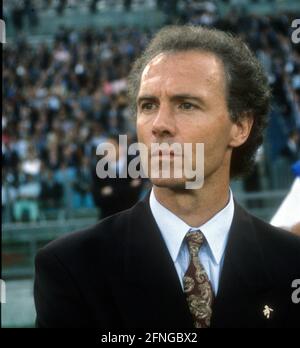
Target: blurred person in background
{"points": [[31, 164], [112, 195], [82, 184], [51, 193], [26, 206], [291, 151]]}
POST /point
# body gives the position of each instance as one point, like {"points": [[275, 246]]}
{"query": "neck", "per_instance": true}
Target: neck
{"points": [[194, 207]]}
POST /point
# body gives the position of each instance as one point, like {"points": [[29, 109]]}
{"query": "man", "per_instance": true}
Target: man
{"points": [[112, 195], [181, 258]]}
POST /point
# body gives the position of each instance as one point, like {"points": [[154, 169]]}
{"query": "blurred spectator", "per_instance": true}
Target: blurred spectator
{"points": [[26, 207], [127, 5], [31, 164], [17, 14], [66, 176], [9, 194], [82, 185], [51, 191], [93, 6], [110, 194], [31, 12], [61, 6], [292, 149]]}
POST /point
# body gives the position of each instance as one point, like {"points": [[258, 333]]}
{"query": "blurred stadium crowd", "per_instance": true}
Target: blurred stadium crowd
{"points": [[62, 100]]}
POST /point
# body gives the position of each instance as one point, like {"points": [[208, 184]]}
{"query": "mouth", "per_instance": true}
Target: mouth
{"points": [[163, 153]]}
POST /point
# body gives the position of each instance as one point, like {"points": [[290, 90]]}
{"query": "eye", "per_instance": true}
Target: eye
{"points": [[187, 106], [147, 106]]}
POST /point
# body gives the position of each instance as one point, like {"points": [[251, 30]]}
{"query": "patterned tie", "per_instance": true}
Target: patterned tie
{"points": [[196, 284]]}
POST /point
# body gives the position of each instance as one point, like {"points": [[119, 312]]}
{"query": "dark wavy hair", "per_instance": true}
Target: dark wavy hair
{"points": [[247, 89]]}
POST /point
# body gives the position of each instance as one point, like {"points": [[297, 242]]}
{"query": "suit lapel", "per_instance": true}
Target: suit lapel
{"points": [[151, 292], [244, 282]]}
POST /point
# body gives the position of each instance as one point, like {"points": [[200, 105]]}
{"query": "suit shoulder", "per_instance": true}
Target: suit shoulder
{"points": [[279, 246], [276, 235]]}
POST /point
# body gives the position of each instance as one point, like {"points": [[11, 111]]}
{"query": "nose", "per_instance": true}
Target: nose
{"points": [[164, 122]]}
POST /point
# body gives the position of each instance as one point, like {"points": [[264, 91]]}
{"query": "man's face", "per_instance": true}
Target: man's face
{"points": [[182, 100]]}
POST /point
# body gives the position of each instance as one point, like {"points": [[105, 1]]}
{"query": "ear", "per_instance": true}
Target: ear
{"points": [[241, 129]]}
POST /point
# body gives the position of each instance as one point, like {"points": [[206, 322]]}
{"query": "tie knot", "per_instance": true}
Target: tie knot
{"points": [[194, 239]]}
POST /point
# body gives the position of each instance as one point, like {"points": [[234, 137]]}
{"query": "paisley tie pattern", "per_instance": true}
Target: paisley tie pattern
{"points": [[196, 284]]}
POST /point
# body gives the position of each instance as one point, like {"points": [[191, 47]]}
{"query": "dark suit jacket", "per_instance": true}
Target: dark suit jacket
{"points": [[123, 195], [119, 274]]}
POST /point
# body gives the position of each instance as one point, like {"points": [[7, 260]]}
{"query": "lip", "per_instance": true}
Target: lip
{"points": [[163, 153]]}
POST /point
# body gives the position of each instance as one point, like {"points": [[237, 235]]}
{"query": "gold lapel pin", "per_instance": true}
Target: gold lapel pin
{"points": [[267, 311]]}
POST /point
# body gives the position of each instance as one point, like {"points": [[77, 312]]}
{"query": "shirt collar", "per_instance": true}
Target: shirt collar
{"points": [[173, 229]]}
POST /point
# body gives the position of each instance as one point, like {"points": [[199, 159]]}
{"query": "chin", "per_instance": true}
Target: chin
{"points": [[169, 183]]}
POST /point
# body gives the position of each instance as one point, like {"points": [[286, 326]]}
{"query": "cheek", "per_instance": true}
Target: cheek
{"points": [[214, 137], [140, 129], [144, 129], [196, 133]]}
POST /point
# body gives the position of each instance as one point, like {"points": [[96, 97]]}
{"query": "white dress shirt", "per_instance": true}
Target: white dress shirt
{"points": [[215, 230]]}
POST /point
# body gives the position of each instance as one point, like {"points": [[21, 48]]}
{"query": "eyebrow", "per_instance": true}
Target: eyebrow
{"points": [[148, 97]]}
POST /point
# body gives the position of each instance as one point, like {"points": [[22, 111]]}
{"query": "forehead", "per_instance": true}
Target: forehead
{"points": [[184, 70]]}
